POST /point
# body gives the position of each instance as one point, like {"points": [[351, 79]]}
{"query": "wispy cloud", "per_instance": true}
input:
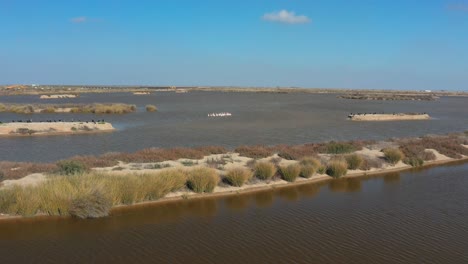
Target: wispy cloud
{"points": [[80, 19], [460, 7], [285, 16]]}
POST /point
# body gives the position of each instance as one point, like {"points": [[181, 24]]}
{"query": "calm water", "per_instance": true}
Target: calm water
{"points": [[257, 119], [412, 217]]}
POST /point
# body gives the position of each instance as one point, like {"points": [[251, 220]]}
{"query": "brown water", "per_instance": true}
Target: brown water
{"points": [[257, 119], [411, 217]]}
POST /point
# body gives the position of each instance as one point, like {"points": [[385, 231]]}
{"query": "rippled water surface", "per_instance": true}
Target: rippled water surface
{"points": [[411, 217], [261, 118]]}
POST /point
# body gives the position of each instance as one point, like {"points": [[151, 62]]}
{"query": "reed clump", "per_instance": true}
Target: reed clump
{"points": [[354, 161], [290, 173], [309, 166], [238, 176], [337, 168], [151, 108], [202, 180], [87, 195], [393, 155], [264, 170]]}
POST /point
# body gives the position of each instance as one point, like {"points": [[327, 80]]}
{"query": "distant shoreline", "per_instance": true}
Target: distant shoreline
{"points": [[136, 90]]}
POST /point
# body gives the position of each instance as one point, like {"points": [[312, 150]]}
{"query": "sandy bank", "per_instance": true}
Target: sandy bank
{"points": [[57, 96], [389, 117], [141, 93], [31, 129]]}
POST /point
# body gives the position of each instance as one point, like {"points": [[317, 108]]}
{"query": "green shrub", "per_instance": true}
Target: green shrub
{"points": [[339, 147], [71, 167], [264, 170], [290, 173], [337, 168], [414, 161], [91, 205], [354, 161], [393, 155], [322, 169], [151, 108], [238, 176], [202, 179]]}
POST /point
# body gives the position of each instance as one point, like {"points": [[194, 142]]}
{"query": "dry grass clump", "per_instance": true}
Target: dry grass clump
{"points": [[88, 194], [151, 108], [255, 152], [290, 173], [393, 155], [90, 205], [309, 165], [105, 109], [238, 176], [264, 170], [202, 180], [337, 168], [354, 161]]}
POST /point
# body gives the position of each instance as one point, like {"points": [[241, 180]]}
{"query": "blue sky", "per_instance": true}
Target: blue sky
{"points": [[399, 44]]}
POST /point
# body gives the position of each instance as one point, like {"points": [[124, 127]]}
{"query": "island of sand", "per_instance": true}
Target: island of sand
{"points": [[389, 117], [52, 128], [57, 96]]}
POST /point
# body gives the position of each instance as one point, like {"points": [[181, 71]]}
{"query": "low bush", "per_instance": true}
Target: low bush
{"points": [[290, 173], [393, 155], [337, 168], [354, 161], [340, 147], [238, 176], [413, 161], [91, 205], [264, 170], [309, 165], [17, 170], [202, 180], [255, 152], [369, 163], [151, 108], [71, 167]]}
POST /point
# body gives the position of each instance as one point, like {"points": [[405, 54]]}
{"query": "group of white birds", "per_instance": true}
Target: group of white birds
{"points": [[222, 114]]}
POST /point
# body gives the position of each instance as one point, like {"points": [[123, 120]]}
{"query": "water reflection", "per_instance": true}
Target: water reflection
{"points": [[345, 185], [392, 178]]}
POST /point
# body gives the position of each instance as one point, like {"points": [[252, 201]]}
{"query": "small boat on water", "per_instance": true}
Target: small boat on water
{"points": [[222, 114]]}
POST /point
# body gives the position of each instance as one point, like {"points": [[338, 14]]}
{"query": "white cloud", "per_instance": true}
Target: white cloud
{"points": [[285, 16], [80, 19]]}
